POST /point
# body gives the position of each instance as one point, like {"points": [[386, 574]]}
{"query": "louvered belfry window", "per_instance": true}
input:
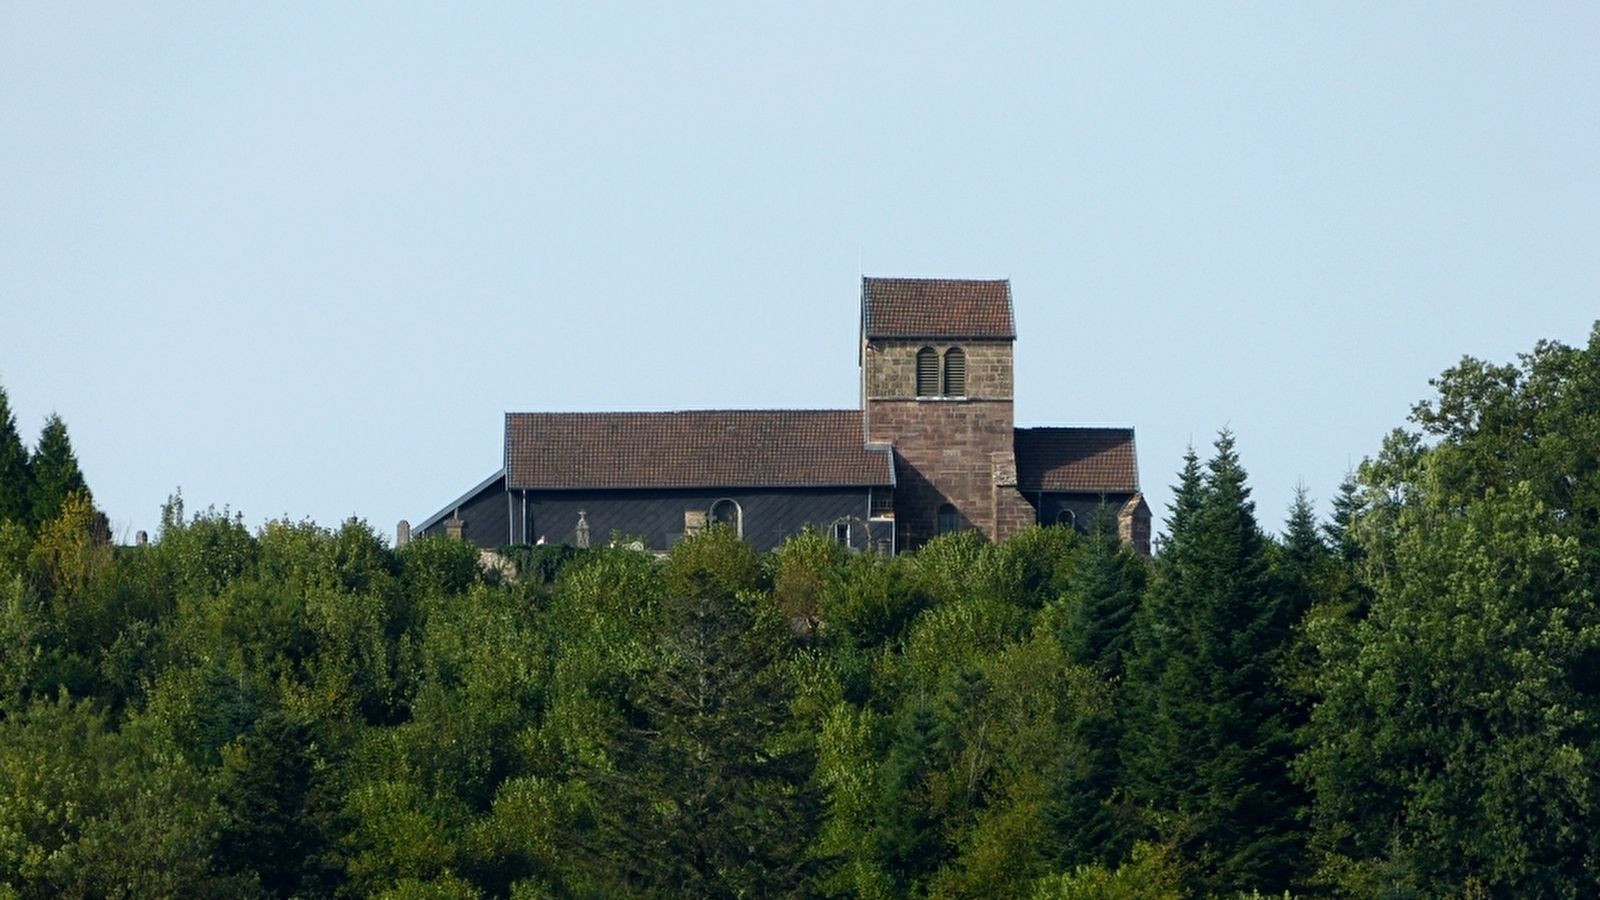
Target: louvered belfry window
{"points": [[955, 373], [927, 372]]}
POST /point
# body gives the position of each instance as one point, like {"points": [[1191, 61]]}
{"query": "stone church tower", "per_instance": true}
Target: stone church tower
{"points": [[936, 385]]}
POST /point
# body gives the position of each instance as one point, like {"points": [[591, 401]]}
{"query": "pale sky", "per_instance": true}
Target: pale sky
{"points": [[299, 259]]}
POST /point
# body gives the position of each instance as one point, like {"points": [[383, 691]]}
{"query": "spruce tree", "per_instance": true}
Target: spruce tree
{"points": [[55, 473], [705, 798], [1303, 561], [14, 476], [1102, 594], [1346, 508], [1209, 737], [1101, 597]]}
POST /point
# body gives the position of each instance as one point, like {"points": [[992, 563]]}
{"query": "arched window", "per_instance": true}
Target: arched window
{"points": [[955, 372], [927, 372], [727, 512], [947, 519], [1067, 517]]}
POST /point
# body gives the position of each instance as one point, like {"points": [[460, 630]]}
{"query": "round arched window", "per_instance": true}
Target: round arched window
{"points": [[1067, 517], [727, 512], [927, 372], [955, 372]]}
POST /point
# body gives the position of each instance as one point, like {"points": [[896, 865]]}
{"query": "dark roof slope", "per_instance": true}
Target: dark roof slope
{"points": [[1096, 460], [701, 448], [936, 308]]}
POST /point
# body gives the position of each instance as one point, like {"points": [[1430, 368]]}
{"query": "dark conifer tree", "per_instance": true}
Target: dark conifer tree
{"points": [[1346, 507], [1210, 738], [1303, 561], [1101, 597], [14, 475], [1102, 594], [705, 798], [907, 838], [279, 818], [55, 473]]}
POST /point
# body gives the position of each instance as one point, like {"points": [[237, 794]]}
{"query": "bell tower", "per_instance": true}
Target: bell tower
{"points": [[936, 384]]}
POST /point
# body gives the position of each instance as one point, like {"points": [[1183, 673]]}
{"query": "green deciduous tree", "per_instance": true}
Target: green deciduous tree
{"points": [[87, 811], [1454, 740]]}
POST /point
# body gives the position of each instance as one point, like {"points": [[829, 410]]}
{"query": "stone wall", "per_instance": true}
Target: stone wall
{"points": [[947, 450], [951, 451], [889, 368]]}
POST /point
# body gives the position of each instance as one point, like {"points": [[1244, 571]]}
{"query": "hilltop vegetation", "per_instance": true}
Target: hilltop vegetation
{"points": [[1400, 702]]}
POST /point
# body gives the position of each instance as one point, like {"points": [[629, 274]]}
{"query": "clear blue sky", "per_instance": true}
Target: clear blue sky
{"points": [[298, 259]]}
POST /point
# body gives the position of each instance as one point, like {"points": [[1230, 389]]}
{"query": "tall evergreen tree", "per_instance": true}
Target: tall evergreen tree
{"points": [[705, 797], [1101, 597], [55, 473], [1102, 594], [1346, 507], [1303, 560], [14, 475], [1209, 739]]}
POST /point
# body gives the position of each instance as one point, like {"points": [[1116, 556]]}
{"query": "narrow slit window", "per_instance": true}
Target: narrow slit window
{"points": [[955, 372], [927, 372]]}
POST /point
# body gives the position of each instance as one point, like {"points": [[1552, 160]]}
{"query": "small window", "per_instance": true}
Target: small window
{"points": [[1067, 517], [955, 372], [841, 533], [881, 504], [927, 372], [947, 519], [727, 512]]}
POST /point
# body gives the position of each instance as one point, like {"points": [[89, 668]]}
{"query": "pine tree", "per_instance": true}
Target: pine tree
{"points": [[55, 473], [14, 474], [1209, 741]]}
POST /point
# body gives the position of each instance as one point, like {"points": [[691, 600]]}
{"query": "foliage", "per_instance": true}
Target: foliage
{"points": [[53, 473], [15, 477], [1454, 742], [1152, 872], [1210, 732], [1399, 702]]}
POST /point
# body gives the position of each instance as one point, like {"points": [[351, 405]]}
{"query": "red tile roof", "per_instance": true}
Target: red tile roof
{"points": [[937, 308], [700, 448], [1094, 460]]}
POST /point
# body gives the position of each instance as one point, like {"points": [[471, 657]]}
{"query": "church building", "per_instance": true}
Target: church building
{"points": [[933, 448]]}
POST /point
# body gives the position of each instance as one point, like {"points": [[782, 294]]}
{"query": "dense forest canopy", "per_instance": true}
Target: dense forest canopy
{"points": [[1402, 701]]}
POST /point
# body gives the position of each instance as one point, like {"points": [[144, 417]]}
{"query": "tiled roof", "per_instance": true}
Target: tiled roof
{"points": [[1096, 460], [701, 448], [936, 308]]}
